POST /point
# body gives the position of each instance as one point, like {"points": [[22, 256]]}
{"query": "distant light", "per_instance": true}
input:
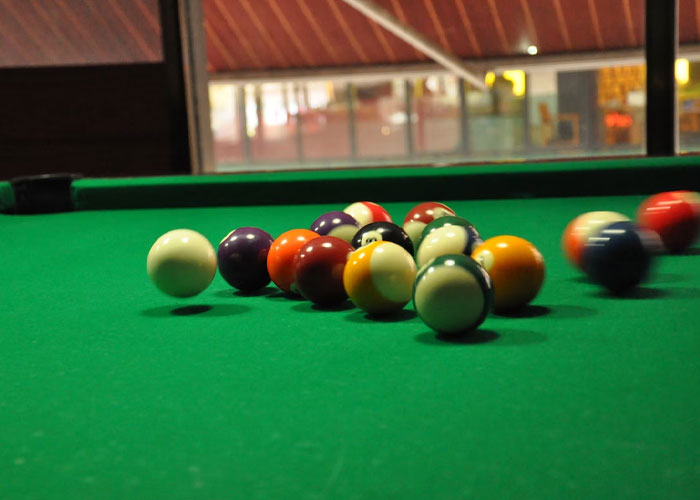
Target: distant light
{"points": [[490, 78], [517, 78], [532, 50], [682, 71], [432, 83], [386, 130]]}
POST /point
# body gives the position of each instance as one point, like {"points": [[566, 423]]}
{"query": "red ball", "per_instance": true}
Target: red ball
{"points": [[674, 216], [366, 212], [428, 211], [422, 215], [318, 270]]}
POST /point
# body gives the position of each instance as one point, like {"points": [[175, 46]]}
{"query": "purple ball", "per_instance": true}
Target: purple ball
{"points": [[338, 224], [242, 257]]}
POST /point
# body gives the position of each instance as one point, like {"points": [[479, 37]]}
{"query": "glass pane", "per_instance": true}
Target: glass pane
{"points": [[551, 88], [380, 114], [225, 123], [271, 125], [436, 114], [688, 80], [495, 117], [78, 32], [324, 110], [621, 109]]}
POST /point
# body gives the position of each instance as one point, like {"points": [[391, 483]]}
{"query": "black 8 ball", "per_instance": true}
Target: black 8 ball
{"points": [[382, 231]]}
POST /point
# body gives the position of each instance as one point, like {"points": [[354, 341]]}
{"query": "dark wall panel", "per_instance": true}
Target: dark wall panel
{"points": [[97, 120]]}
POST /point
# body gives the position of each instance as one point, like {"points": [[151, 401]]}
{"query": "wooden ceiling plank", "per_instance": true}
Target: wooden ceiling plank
{"points": [[264, 34], [468, 28], [26, 58], [118, 45], [291, 33], [349, 35], [240, 37], [30, 35], [562, 24], [628, 22], [136, 35], [596, 24], [149, 15], [80, 29], [220, 47], [534, 39], [697, 16], [401, 15], [379, 33], [499, 26], [430, 7], [52, 25], [316, 28]]}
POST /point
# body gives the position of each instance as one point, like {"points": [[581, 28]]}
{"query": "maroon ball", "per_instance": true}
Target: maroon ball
{"points": [[318, 270], [242, 258]]}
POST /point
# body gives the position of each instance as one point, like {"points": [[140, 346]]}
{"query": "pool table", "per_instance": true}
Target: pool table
{"points": [[110, 389]]}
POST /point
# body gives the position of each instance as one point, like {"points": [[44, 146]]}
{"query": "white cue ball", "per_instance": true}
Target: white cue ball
{"points": [[181, 263]]}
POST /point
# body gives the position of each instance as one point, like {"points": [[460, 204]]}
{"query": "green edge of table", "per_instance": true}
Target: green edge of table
{"points": [[515, 179]]}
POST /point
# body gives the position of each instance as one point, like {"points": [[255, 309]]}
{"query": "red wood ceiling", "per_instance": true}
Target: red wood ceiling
{"points": [[268, 34], [59, 32]]}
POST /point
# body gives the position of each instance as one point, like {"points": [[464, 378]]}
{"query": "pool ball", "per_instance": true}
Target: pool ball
{"points": [[692, 197], [674, 216], [379, 277], [453, 294], [618, 256], [382, 231], [420, 215], [242, 257], [280, 258], [579, 229], [365, 212], [318, 270], [181, 263], [336, 223], [448, 220], [516, 268], [448, 239]]}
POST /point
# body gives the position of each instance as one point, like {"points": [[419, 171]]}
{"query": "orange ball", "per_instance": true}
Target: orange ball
{"points": [[280, 258], [581, 228], [516, 268]]}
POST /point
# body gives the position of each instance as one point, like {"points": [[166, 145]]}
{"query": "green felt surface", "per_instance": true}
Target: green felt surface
{"points": [[107, 392], [515, 179]]}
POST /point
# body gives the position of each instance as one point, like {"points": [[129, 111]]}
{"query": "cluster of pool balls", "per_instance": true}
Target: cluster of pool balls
{"points": [[617, 253], [435, 259]]}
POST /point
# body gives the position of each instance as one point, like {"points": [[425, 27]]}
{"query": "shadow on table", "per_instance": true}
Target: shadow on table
{"points": [[666, 278], [529, 311], [691, 252], [232, 292], [279, 295], [581, 279], [311, 307], [363, 317], [503, 337], [552, 311], [638, 293], [201, 310]]}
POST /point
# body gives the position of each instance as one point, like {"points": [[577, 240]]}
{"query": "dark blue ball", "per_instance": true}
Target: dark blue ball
{"points": [[618, 256]]}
